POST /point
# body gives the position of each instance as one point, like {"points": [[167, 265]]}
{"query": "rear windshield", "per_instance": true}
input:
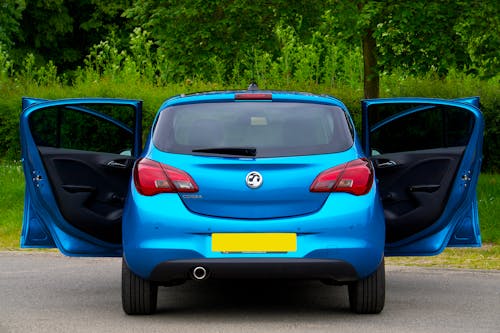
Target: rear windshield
{"points": [[272, 129]]}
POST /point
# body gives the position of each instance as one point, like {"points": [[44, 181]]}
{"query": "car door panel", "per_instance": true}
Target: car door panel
{"points": [[414, 190], [90, 188], [427, 157], [77, 158]]}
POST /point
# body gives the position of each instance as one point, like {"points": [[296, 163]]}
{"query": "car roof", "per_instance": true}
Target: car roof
{"points": [[229, 96]]}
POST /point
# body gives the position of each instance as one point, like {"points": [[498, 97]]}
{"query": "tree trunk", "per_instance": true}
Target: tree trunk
{"points": [[371, 77]]}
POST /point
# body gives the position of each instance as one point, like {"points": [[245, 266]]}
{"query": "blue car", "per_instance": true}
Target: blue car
{"points": [[251, 184]]}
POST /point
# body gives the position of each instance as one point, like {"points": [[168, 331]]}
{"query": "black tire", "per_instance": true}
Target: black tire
{"points": [[139, 296], [368, 295]]}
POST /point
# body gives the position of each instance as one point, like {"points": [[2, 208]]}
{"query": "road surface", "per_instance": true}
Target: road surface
{"points": [[47, 292]]}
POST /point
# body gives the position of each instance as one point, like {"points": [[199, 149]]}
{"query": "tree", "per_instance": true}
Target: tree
{"points": [[10, 14], [479, 32], [64, 30], [44, 27], [356, 21], [419, 37], [198, 35]]}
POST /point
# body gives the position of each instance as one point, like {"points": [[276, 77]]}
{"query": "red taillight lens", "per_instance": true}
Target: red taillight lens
{"points": [[355, 177], [152, 177]]}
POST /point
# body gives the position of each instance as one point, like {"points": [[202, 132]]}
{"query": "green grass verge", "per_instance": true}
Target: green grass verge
{"points": [[487, 257], [11, 204], [488, 195]]}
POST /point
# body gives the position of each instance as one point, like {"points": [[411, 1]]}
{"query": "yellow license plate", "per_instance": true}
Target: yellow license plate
{"points": [[254, 242]]}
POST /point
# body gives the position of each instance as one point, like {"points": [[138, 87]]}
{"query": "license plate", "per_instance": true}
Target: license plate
{"points": [[254, 242]]}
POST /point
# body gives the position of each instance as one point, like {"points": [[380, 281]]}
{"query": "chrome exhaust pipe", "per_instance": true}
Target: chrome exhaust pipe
{"points": [[199, 273]]}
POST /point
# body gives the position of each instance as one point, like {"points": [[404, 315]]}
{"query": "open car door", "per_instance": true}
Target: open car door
{"points": [[77, 158], [427, 157]]}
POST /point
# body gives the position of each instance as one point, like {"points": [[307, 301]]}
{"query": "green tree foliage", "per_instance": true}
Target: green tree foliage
{"points": [[5, 64], [10, 15], [479, 31], [64, 30], [230, 40], [45, 31], [418, 37], [197, 34]]}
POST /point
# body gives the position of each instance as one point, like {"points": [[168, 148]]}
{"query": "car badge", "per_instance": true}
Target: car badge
{"points": [[254, 179]]}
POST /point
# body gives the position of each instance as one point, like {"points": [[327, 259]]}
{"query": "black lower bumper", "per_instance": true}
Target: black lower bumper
{"points": [[256, 268]]}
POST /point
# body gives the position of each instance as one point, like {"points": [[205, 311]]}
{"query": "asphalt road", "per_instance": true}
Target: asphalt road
{"points": [[47, 292]]}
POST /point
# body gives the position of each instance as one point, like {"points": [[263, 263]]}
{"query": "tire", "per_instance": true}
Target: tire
{"points": [[139, 296], [367, 296]]}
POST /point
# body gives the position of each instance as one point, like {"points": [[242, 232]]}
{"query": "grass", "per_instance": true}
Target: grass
{"points": [[487, 257], [488, 195], [11, 204]]}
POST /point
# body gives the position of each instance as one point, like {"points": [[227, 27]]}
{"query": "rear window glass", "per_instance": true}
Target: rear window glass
{"points": [[272, 128]]}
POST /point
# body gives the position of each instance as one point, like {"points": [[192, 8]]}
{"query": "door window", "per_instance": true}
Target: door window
{"points": [[79, 127], [403, 127]]}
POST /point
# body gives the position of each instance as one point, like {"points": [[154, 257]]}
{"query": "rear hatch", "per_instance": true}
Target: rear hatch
{"points": [[283, 192], [253, 159]]}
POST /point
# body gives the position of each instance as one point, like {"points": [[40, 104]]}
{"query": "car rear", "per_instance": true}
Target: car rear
{"points": [[253, 184]]}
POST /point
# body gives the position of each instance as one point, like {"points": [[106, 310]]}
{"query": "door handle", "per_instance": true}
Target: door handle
{"points": [[386, 164], [116, 164]]}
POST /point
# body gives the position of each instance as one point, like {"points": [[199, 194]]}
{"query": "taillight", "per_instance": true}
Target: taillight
{"points": [[355, 177], [152, 177]]}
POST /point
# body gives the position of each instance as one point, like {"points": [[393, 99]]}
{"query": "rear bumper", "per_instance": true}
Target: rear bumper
{"points": [[163, 241], [256, 268]]}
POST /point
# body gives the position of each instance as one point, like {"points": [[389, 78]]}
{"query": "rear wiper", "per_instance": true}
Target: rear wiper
{"points": [[238, 151]]}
